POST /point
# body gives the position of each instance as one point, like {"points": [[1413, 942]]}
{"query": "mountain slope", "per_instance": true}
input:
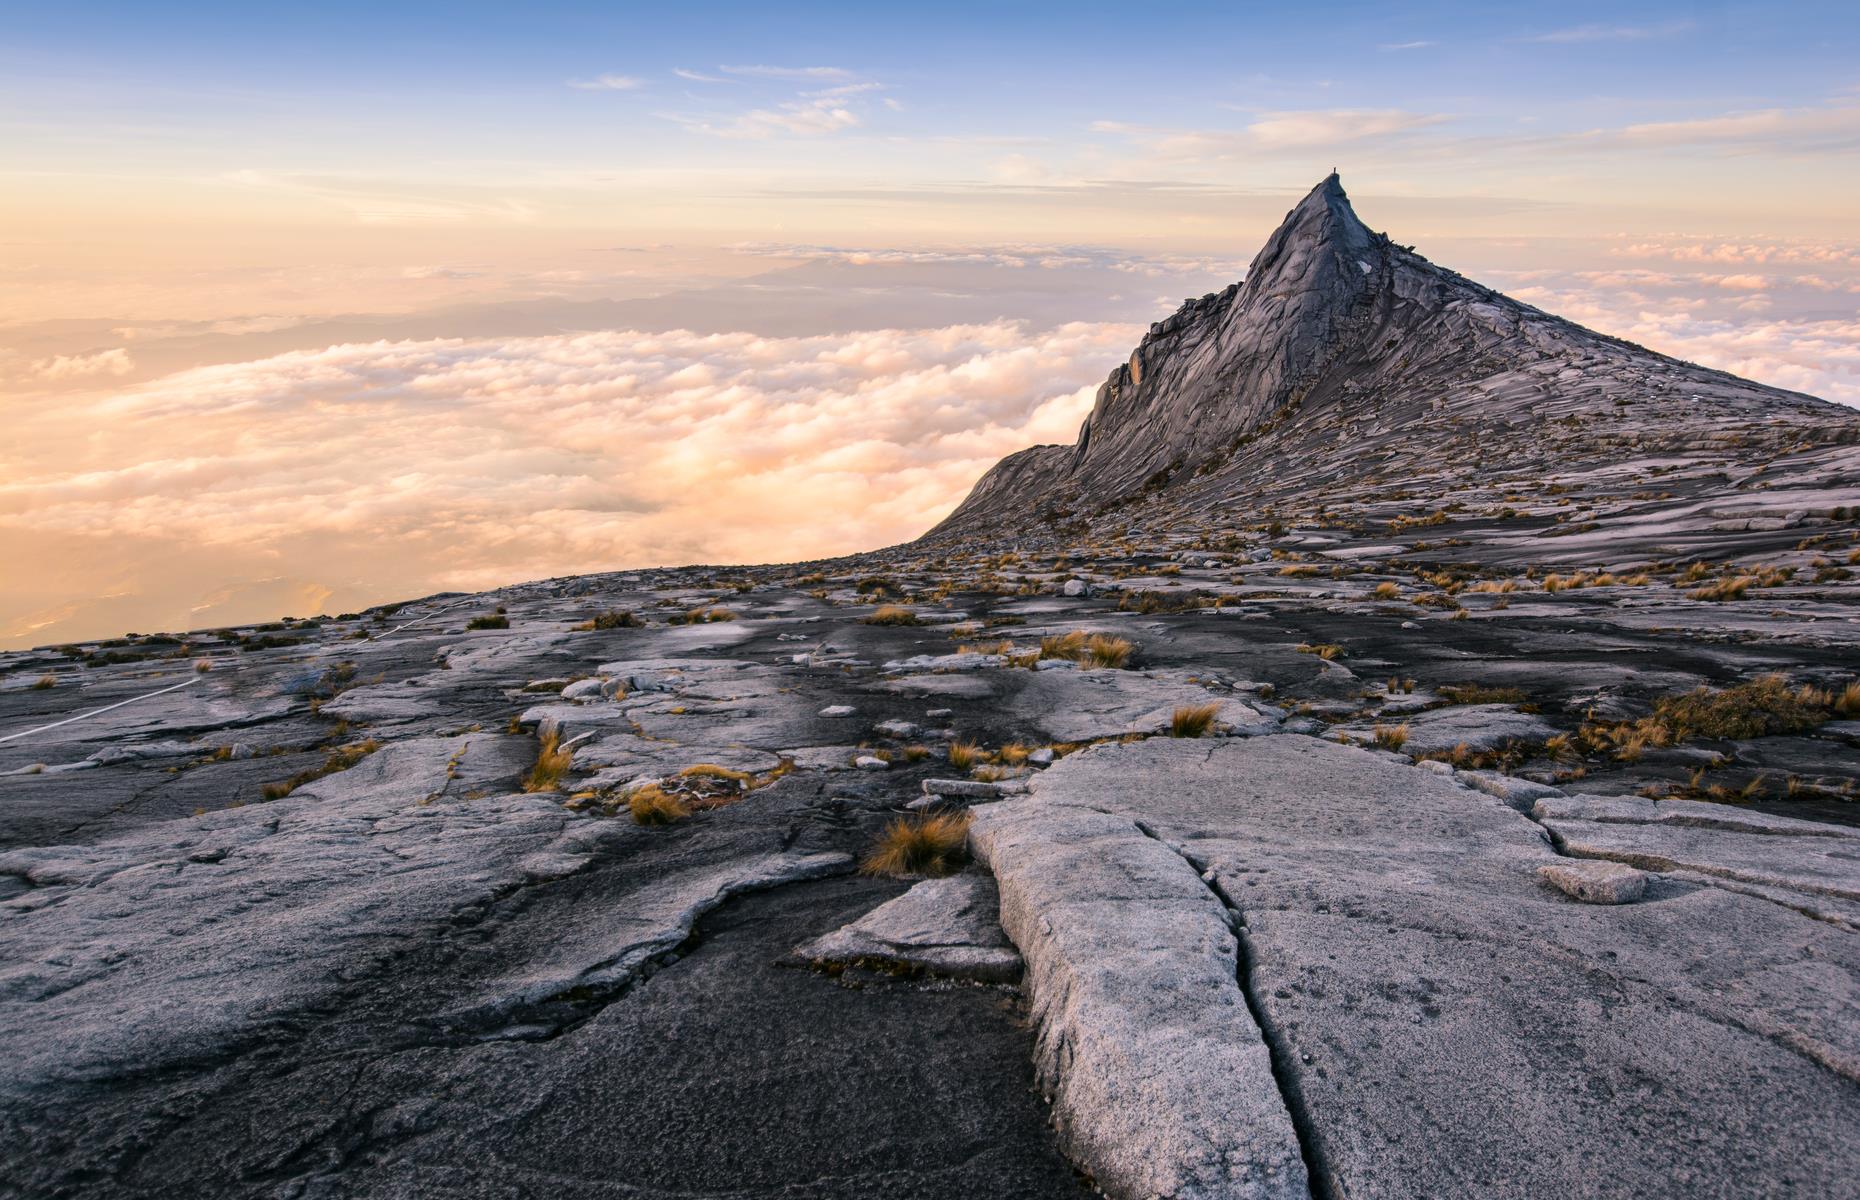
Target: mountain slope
{"points": [[1345, 358]]}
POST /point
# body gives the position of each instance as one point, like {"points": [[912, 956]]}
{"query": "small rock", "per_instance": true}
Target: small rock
{"points": [[938, 712], [1596, 881], [1055, 664], [582, 689], [838, 710], [897, 729], [1042, 757], [1518, 793], [870, 762], [1076, 587], [973, 788]]}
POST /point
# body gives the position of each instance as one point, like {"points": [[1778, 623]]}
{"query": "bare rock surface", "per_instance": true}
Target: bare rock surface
{"points": [[944, 926], [1474, 726], [1395, 943], [1161, 1082]]}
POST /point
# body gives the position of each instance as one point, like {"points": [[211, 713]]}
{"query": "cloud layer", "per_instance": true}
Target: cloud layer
{"points": [[485, 461]]}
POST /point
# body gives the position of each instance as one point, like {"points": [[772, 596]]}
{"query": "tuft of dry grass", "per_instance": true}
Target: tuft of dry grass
{"points": [[614, 619], [653, 805], [1192, 720], [1387, 591], [494, 621], [1479, 693], [1324, 650], [45, 682], [892, 614], [934, 844], [552, 763], [1093, 650], [1391, 737], [1766, 705], [1847, 704], [339, 759], [713, 771], [1725, 589], [963, 755]]}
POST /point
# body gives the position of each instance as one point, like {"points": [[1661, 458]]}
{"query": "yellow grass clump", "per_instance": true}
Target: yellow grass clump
{"points": [[934, 844], [1192, 720], [551, 764]]}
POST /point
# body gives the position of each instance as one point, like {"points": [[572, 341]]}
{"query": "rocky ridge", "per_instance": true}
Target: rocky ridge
{"points": [[1347, 376]]}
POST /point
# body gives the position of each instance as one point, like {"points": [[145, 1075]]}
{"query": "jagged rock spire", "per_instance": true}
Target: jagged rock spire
{"points": [[1322, 221], [1334, 332]]}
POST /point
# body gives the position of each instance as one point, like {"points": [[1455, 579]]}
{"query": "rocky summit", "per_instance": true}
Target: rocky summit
{"points": [[1407, 747]]}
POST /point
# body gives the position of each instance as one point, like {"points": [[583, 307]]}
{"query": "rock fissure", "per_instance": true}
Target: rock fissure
{"points": [[1283, 1057]]}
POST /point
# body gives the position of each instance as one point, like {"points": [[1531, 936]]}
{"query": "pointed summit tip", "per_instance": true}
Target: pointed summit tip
{"points": [[1328, 194], [1323, 218]]}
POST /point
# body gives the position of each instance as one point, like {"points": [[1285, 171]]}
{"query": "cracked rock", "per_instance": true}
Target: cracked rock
{"points": [[1595, 882]]}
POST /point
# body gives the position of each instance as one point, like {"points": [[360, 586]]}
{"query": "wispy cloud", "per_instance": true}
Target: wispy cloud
{"points": [[1273, 132], [1421, 45], [810, 117], [80, 366], [699, 76], [1824, 127], [608, 83], [810, 114], [392, 202], [1012, 256], [1610, 33], [768, 72]]}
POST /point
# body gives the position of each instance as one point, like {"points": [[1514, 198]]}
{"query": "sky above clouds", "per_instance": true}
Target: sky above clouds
{"points": [[308, 307]]}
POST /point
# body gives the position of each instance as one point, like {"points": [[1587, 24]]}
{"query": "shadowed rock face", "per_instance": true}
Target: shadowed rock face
{"points": [[1342, 349]]}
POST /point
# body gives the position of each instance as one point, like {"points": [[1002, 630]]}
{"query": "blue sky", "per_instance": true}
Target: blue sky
{"points": [[433, 87]]}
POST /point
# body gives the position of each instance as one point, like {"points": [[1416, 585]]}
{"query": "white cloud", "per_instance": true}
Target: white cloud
{"points": [[430, 272], [1707, 250], [1013, 256], [482, 461], [1770, 129], [699, 76], [810, 116], [1419, 45], [81, 366], [1275, 132], [767, 72], [1611, 33], [607, 83]]}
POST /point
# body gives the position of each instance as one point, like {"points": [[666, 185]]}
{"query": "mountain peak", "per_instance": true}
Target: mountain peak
{"points": [[1343, 356], [1322, 220]]}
